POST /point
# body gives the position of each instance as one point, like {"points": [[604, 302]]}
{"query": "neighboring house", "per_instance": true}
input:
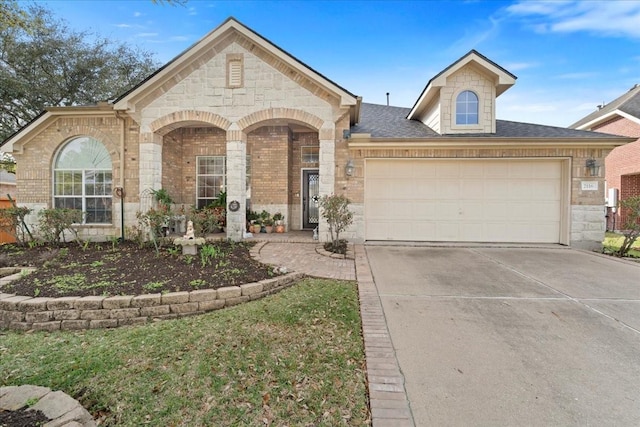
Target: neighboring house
{"points": [[7, 184], [622, 166], [236, 112]]}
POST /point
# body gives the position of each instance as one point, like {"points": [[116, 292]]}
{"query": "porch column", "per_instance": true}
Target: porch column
{"points": [[236, 182], [327, 171], [150, 164]]}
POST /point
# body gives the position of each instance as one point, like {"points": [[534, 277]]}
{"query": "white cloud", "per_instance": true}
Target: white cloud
{"points": [[192, 11], [577, 76], [147, 35], [607, 18], [179, 38], [137, 14], [516, 66]]}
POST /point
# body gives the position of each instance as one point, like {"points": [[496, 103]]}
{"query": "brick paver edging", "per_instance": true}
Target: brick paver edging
{"points": [[93, 312], [387, 395]]}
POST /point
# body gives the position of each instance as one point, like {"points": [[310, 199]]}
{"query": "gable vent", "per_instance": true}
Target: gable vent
{"points": [[235, 71]]}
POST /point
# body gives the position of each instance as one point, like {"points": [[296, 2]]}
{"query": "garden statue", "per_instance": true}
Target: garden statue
{"points": [[190, 232]]}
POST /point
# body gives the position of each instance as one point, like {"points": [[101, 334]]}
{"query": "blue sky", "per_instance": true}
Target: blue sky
{"points": [[569, 56]]}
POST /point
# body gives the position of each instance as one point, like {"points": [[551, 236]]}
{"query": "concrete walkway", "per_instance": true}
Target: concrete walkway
{"points": [[388, 398]]}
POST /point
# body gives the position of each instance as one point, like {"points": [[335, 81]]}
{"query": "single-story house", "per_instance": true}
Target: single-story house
{"points": [[235, 112], [622, 166]]}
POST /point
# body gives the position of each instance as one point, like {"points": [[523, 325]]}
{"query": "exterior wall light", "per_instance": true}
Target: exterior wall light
{"points": [[592, 167], [349, 168]]}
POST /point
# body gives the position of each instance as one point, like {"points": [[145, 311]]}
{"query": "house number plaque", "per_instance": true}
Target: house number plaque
{"points": [[234, 206]]}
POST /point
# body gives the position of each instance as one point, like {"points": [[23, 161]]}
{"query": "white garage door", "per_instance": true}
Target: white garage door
{"points": [[464, 200]]}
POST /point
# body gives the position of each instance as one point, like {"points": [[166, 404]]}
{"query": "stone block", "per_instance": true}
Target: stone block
{"points": [[39, 316], [229, 292], [46, 326], [11, 316], [95, 314], [132, 321], [203, 295], [154, 311], [124, 313], [235, 301], [258, 295], [89, 303], [3, 296], [103, 323], [66, 314], [146, 300], [166, 317], [16, 397], [211, 305], [20, 326], [64, 303], [34, 304], [11, 303], [249, 289], [74, 324], [187, 307], [118, 301], [269, 284], [55, 404], [175, 298]]}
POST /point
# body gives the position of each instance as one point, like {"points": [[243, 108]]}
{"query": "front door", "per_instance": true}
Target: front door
{"points": [[310, 198]]}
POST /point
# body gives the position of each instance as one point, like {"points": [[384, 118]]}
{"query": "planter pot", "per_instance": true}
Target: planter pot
{"points": [[268, 228], [254, 228], [279, 228]]}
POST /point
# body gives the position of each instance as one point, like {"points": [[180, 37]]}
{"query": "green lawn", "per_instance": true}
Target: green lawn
{"points": [[295, 358], [612, 242]]}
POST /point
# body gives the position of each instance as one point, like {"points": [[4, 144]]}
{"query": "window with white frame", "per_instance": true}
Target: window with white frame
{"points": [[310, 154], [467, 108], [82, 179], [211, 179]]}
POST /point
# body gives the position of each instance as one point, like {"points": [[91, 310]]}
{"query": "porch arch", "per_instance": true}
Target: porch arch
{"points": [[256, 119], [178, 119]]}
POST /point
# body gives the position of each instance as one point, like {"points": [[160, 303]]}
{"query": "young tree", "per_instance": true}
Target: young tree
{"points": [[335, 209], [631, 226], [45, 63]]}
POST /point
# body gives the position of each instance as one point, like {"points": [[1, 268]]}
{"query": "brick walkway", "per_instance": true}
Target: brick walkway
{"points": [[388, 397]]}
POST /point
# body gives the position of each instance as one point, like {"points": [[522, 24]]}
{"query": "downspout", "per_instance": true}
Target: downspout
{"points": [[120, 190]]}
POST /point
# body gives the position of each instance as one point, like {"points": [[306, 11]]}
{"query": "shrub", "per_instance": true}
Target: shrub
{"points": [[631, 226], [53, 223], [154, 221], [335, 209], [208, 219]]}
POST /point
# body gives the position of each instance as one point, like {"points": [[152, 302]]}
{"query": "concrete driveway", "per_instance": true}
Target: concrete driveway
{"points": [[505, 336]]}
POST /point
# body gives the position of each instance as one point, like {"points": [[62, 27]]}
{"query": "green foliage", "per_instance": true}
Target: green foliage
{"points": [[207, 254], [198, 283], [70, 67], [52, 224], [154, 220], [335, 209], [163, 198], [208, 219], [631, 227], [12, 222]]}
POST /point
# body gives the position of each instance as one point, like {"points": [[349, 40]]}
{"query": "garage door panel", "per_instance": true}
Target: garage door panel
{"points": [[464, 200]]}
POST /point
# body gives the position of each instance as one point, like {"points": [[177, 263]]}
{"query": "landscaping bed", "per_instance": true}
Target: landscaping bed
{"points": [[108, 269]]}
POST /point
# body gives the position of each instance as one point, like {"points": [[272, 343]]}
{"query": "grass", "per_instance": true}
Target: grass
{"points": [[294, 358], [612, 242]]}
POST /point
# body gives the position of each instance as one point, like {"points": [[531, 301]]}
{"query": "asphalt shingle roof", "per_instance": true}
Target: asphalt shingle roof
{"points": [[382, 121], [628, 102]]}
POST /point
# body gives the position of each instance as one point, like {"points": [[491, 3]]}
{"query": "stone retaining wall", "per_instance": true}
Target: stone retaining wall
{"points": [[93, 312]]}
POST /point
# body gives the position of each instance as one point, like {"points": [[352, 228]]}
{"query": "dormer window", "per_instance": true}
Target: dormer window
{"points": [[467, 108]]}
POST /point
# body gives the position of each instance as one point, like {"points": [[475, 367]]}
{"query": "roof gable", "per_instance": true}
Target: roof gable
{"points": [[502, 78], [627, 105], [228, 32]]}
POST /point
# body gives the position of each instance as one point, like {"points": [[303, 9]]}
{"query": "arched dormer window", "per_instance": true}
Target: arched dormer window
{"points": [[82, 179], [467, 108]]}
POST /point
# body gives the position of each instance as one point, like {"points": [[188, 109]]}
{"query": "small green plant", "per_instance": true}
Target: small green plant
{"points": [[114, 241], [198, 283], [153, 286], [24, 273], [36, 292], [163, 198], [34, 243], [188, 259], [173, 251], [207, 253], [85, 245], [31, 401], [631, 226], [97, 263]]}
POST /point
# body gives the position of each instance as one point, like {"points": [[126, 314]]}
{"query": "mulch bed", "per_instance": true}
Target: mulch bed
{"points": [[128, 269], [22, 418]]}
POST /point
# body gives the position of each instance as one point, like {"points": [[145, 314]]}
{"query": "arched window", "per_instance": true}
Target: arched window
{"points": [[467, 108], [82, 179]]}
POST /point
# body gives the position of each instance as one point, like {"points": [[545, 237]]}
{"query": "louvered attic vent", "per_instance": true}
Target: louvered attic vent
{"points": [[235, 70]]}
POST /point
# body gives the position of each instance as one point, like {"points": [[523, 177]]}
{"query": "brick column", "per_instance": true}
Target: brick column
{"points": [[236, 182], [327, 170]]}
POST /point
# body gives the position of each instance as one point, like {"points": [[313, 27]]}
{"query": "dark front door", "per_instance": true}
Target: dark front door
{"points": [[310, 198]]}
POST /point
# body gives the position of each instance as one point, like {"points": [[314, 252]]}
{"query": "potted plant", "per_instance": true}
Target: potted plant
{"points": [[252, 218], [278, 220], [266, 221]]}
